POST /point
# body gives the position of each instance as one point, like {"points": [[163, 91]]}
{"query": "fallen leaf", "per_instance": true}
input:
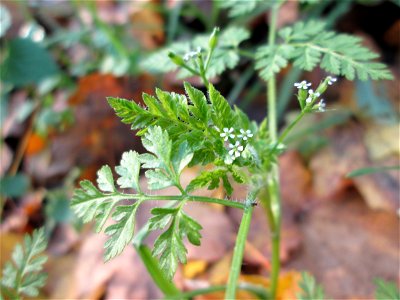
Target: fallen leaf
{"points": [[330, 168], [193, 268], [346, 246], [8, 242], [295, 179], [124, 277], [382, 140], [147, 24], [36, 143]]}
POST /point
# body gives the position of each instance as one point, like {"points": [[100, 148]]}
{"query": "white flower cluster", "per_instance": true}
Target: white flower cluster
{"points": [[331, 80], [192, 54], [235, 146], [302, 85], [313, 95]]}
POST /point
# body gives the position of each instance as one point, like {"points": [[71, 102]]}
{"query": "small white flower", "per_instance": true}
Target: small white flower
{"points": [[321, 105], [331, 80], [227, 133], [312, 95], [302, 85], [192, 54], [244, 135], [235, 150]]}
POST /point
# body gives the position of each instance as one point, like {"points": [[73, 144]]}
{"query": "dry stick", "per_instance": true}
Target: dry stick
{"points": [[23, 143]]}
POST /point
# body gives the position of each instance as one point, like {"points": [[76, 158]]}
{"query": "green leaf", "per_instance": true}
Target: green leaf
{"points": [[90, 203], [122, 231], [190, 228], [224, 56], [105, 179], [14, 186], [310, 290], [308, 45], [129, 171], [23, 275], [386, 290], [130, 112], [169, 245], [200, 108], [222, 114], [157, 141], [371, 170], [207, 178], [227, 185], [27, 63], [270, 60], [158, 180], [182, 157], [239, 7]]}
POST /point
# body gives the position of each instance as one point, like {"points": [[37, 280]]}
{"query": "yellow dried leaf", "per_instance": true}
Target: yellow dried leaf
{"points": [[194, 268]]}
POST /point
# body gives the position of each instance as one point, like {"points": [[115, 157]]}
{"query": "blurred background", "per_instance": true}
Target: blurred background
{"points": [[61, 59]]}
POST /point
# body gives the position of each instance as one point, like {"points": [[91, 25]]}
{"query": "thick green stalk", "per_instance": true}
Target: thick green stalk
{"points": [[273, 186], [165, 285], [238, 252]]}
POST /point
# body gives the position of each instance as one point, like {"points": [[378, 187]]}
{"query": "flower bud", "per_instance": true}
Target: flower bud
{"points": [[212, 42], [324, 85], [176, 59], [301, 96]]}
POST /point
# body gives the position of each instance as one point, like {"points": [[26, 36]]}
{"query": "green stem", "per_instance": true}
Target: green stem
{"points": [[275, 207], [238, 253], [203, 69], [141, 197], [273, 185], [290, 127]]}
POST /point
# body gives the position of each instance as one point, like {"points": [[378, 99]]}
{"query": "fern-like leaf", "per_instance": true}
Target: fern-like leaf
{"points": [[239, 8], [310, 290], [92, 203], [169, 245], [386, 290], [24, 276], [309, 45]]}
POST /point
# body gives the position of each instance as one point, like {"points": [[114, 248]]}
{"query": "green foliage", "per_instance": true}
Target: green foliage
{"points": [[239, 7], [14, 186], [169, 164], [193, 123], [23, 276], [310, 290], [386, 290], [309, 45], [165, 162], [224, 56], [169, 245], [27, 63], [91, 203], [190, 119]]}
